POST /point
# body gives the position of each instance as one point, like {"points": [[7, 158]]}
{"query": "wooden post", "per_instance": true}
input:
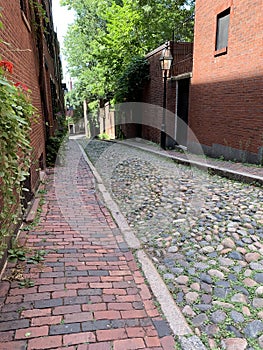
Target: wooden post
{"points": [[85, 108]]}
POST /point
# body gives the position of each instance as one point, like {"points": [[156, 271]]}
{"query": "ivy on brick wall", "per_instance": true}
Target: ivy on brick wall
{"points": [[39, 14], [130, 84], [16, 111]]}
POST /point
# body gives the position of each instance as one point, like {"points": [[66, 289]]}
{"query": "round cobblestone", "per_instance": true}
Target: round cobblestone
{"points": [[218, 316]]}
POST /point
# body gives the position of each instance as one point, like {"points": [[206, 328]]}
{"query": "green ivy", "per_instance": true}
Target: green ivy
{"points": [[103, 136], [39, 15], [53, 145], [131, 83], [15, 115]]}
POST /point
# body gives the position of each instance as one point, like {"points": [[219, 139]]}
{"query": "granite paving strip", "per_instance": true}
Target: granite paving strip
{"points": [[205, 235], [234, 170], [171, 311], [88, 293]]}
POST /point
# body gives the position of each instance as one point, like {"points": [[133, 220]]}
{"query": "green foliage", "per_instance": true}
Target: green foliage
{"points": [[20, 253], [15, 115], [53, 145], [103, 136], [37, 257], [52, 148], [17, 253], [93, 110], [39, 11], [107, 35], [26, 283], [72, 99], [54, 142], [61, 122], [131, 82]]}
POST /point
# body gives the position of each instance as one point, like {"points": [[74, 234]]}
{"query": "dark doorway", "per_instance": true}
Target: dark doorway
{"points": [[182, 111]]}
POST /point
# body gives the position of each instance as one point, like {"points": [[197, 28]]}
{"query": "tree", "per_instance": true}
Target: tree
{"points": [[108, 34]]}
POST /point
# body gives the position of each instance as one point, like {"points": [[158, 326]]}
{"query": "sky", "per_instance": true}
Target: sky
{"points": [[62, 17]]}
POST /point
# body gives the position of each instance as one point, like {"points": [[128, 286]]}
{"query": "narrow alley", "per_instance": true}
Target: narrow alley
{"points": [[89, 292]]}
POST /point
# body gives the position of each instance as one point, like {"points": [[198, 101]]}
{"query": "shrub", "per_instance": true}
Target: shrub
{"points": [[16, 111], [103, 136]]}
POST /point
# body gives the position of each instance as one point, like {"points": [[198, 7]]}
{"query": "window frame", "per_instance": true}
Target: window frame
{"points": [[23, 7], [25, 13], [222, 33]]}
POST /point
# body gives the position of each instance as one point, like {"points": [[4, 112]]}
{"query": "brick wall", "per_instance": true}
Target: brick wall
{"points": [[226, 90], [20, 47], [20, 51], [182, 63], [20, 43], [153, 93], [52, 71]]}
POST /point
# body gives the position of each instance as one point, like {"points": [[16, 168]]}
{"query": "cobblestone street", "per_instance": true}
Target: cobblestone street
{"points": [[131, 175], [204, 233], [79, 286]]}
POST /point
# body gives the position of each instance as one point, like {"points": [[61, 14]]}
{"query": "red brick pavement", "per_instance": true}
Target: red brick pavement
{"points": [[89, 294]]}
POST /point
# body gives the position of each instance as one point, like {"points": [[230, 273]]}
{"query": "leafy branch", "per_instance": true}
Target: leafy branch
{"points": [[15, 119]]}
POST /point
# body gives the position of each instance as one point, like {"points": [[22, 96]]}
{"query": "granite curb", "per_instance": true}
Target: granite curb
{"points": [[225, 171], [169, 308], [191, 252]]}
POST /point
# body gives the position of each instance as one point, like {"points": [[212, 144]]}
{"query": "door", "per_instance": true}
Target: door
{"points": [[182, 111]]}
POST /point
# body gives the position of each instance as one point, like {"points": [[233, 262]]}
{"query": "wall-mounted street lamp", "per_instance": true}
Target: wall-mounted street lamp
{"points": [[166, 63]]}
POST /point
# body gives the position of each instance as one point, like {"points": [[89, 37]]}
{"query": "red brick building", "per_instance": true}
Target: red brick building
{"points": [[177, 91], [145, 119], [30, 43], [226, 95], [28, 40]]}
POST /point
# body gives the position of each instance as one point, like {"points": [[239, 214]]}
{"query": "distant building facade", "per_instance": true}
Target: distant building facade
{"points": [[226, 94]]}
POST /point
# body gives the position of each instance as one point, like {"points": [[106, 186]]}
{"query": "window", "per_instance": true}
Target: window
{"points": [[222, 31], [25, 13], [23, 6]]}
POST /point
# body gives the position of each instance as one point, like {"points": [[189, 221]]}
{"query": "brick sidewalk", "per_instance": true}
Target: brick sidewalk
{"points": [[89, 294]]}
